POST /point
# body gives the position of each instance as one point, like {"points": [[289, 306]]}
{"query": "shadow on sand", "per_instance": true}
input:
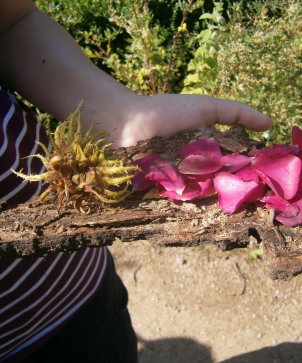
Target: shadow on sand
{"points": [[182, 350]]}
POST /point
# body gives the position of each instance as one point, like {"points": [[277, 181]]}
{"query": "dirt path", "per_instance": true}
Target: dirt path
{"points": [[191, 305]]}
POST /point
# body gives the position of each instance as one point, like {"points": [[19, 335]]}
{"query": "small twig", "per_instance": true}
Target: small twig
{"points": [[135, 275], [271, 217], [241, 276]]}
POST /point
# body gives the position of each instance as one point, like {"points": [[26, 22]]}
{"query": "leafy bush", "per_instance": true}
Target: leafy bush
{"points": [[255, 58], [142, 43], [246, 51]]}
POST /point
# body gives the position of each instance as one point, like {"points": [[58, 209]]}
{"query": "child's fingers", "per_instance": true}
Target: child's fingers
{"points": [[233, 113]]}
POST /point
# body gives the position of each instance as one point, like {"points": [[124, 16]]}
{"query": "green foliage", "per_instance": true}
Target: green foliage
{"points": [[246, 51], [142, 43], [203, 67], [255, 58]]}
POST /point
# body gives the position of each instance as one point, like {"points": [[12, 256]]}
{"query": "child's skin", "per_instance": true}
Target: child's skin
{"points": [[41, 61]]}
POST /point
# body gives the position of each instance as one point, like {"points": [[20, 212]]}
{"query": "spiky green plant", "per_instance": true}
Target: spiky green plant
{"points": [[81, 168]]}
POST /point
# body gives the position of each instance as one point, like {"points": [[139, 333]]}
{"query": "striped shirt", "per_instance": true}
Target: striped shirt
{"points": [[37, 295]]}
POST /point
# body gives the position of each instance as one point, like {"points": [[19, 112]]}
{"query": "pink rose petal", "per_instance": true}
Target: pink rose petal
{"points": [[277, 150], [187, 194], [279, 168], [206, 147], [232, 191], [196, 187], [204, 182], [295, 220], [166, 175], [247, 174], [145, 162], [274, 201], [281, 174], [256, 193], [297, 136], [199, 165], [290, 221], [139, 182], [234, 162], [157, 171]]}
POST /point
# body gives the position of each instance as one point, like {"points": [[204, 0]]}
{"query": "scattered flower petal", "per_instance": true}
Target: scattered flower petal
{"points": [[281, 174], [248, 174], [187, 194], [203, 182], [272, 176], [257, 193], [146, 162], [199, 165], [139, 182], [206, 147], [297, 136], [277, 150], [290, 221], [232, 191], [234, 162], [166, 175], [286, 208], [199, 187]]}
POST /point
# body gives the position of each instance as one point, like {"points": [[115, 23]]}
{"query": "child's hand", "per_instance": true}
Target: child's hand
{"points": [[166, 114]]}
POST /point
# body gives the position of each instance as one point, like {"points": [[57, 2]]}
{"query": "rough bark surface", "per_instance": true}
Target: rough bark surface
{"points": [[33, 229]]}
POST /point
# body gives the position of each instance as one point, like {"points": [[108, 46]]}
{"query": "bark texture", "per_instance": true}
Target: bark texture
{"points": [[33, 229]]}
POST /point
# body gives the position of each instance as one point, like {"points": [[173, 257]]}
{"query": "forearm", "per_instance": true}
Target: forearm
{"points": [[43, 63]]}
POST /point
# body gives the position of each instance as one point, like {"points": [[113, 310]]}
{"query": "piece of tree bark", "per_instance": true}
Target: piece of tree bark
{"points": [[34, 229]]}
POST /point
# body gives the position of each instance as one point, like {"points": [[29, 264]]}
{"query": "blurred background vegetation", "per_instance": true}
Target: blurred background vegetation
{"points": [[249, 51]]}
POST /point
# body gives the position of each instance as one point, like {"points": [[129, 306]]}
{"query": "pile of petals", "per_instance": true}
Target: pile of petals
{"points": [[271, 178]]}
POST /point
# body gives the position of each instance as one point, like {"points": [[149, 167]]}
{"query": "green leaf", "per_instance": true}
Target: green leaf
{"points": [[255, 254], [207, 16]]}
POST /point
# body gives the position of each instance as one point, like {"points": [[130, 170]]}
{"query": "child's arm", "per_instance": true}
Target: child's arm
{"points": [[40, 60]]}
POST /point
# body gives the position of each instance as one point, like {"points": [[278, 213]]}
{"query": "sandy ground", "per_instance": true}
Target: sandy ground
{"points": [[193, 305]]}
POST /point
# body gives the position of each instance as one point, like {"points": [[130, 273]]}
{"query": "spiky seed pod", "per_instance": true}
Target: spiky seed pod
{"points": [[81, 168]]}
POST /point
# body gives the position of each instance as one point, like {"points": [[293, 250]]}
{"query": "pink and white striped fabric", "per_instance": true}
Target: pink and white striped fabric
{"points": [[37, 295]]}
